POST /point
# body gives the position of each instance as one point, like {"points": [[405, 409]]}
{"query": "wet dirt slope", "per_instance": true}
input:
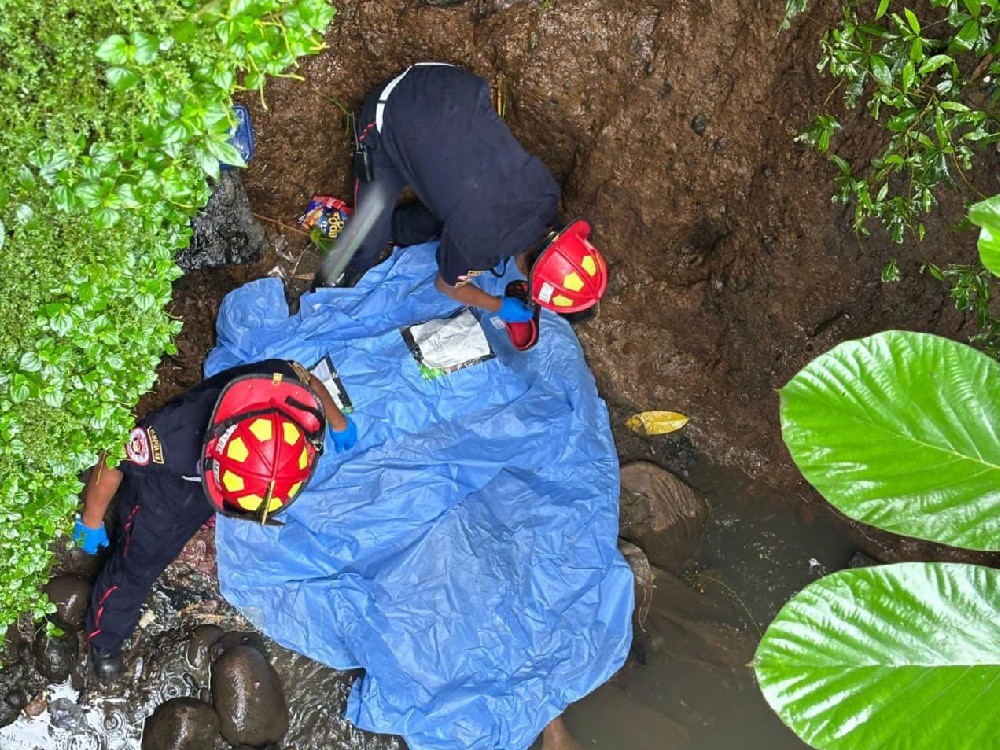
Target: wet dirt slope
{"points": [[670, 126]]}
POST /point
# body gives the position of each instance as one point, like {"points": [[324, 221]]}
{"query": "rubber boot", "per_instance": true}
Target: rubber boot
{"points": [[107, 667]]}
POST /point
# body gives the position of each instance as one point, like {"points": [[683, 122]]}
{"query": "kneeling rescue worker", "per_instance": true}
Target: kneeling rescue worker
{"points": [[247, 440], [433, 128]]}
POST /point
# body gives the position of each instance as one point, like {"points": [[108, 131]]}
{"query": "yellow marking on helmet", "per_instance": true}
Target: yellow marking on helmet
{"points": [[250, 502], [233, 482], [274, 505], [291, 433], [561, 301], [261, 429], [304, 459], [237, 450], [294, 490], [573, 282], [589, 265]]}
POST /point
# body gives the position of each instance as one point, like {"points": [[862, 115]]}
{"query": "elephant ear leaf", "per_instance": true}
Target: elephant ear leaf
{"points": [[986, 216], [902, 431], [900, 657]]}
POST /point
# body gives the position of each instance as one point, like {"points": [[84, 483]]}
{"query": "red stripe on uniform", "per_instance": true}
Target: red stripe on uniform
{"points": [[100, 611], [128, 528]]}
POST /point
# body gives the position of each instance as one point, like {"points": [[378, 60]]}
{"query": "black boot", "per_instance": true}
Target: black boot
{"points": [[107, 667]]}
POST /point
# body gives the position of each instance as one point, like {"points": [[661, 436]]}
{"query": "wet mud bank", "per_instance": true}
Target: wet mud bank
{"points": [[670, 125]]}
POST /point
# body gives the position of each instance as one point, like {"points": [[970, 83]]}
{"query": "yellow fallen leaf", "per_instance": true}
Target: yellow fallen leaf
{"points": [[656, 422]]}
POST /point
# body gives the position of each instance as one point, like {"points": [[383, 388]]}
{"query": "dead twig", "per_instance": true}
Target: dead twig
{"points": [[280, 224]]}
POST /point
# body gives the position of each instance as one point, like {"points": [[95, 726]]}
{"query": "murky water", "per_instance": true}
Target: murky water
{"points": [[688, 687], [695, 692]]}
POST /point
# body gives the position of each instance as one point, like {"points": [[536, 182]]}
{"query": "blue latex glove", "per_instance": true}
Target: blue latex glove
{"points": [[91, 540], [347, 438], [513, 310]]}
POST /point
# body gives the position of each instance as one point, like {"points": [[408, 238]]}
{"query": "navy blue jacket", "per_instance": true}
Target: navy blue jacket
{"points": [[493, 198]]}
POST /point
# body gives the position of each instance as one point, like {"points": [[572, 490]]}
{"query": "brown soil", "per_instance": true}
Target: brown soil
{"points": [[670, 126]]}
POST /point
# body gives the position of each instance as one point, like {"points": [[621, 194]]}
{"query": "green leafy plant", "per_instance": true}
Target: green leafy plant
{"points": [[116, 114], [928, 84], [890, 272], [896, 430], [927, 76], [986, 216]]}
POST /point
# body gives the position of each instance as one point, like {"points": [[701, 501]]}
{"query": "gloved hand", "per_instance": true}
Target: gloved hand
{"points": [[513, 310], [346, 438], [91, 540]]}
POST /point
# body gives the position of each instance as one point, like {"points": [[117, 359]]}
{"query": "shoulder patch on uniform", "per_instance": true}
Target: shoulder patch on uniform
{"points": [[137, 448], [155, 446], [300, 372]]}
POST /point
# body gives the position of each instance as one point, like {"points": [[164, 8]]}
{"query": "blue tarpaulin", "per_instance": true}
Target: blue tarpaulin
{"points": [[464, 553]]}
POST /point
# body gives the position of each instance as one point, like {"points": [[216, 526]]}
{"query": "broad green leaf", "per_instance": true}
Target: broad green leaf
{"points": [[146, 47], [121, 78], [883, 6], [208, 163], [26, 178], [899, 430], [105, 218], [900, 657], [909, 75], [951, 106], [881, 71], [911, 19], [113, 50], [966, 37], [24, 214], [986, 216], [225, 152], [933, 63]]}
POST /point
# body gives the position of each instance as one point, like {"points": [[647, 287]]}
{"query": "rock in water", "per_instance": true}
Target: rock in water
{"points": [[235, 638], [202, 640], [181, 724], [70, 594], [55, 655], [661, 514], [248, 698], [225, 231], [645, 583]]}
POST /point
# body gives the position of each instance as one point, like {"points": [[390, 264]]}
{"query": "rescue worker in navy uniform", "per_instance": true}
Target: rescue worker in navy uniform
{"points": [[434, 129], [247, 440]]}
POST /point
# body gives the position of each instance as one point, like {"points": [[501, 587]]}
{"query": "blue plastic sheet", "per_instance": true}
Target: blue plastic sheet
{"points": [[465, 552]]}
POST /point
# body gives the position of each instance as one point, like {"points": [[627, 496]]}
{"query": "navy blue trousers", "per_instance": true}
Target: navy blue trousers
{"points": [[152, 530]]}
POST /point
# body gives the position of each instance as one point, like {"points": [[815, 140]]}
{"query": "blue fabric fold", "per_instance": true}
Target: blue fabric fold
{"points": [[465, 552]]}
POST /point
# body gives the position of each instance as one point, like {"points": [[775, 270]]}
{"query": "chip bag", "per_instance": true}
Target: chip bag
{"points": [[327, 216]]}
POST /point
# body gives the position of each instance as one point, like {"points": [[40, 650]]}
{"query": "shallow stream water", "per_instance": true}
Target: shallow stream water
{"points": [[687, 686], [693, 693]]}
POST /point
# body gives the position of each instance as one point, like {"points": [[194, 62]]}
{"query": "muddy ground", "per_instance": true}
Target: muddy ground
{"points": [[670, 126]]}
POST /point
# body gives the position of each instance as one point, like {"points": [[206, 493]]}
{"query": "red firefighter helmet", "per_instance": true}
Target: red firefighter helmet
{"points": [[262, 445], [570, 274]]}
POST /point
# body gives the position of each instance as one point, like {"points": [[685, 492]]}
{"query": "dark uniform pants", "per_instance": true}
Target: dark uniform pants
{"points": [[151, 532], [409, 224]]}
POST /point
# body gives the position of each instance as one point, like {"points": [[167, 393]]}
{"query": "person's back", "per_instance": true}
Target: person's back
{"points": [[481, 194], [463, 163]]}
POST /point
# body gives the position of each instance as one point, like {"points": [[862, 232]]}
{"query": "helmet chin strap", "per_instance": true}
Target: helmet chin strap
{"points": [[266, 504], [534, 252]]}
